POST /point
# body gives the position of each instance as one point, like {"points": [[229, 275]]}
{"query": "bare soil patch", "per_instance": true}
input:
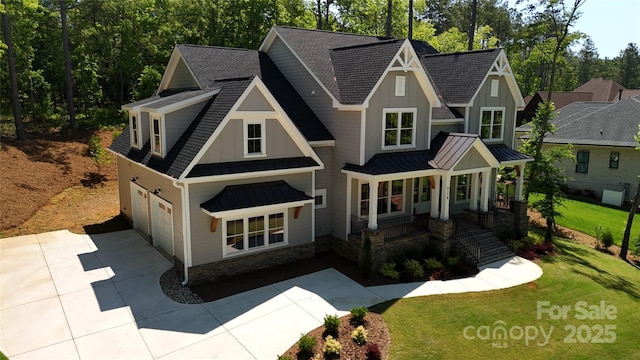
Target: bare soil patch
{"points": [[41, 184]]}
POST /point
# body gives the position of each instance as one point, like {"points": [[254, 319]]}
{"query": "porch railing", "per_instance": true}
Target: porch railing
{"points": [[393, 227], [467, 241]]}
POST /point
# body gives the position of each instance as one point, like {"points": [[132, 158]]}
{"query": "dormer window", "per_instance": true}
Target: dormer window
{"points": [[254, 138], [398, 128], [134, 125], [157, 136]]}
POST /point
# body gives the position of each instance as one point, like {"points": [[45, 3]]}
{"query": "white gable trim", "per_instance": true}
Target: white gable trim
{"points": [[181, 104], [408, 60], [501, 67], [279, 115], [171, 68]]}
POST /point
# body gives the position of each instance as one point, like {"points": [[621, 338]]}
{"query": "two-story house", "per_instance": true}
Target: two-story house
{"points": [[245, 157]]}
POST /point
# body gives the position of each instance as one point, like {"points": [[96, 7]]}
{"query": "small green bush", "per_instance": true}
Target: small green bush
{"points": [[432, 264], [115, 134], [94, 143], [603, 237], [636, 250], [358, 314], [453, 261], [332, 346], [306, 344], [331, 324], [388, 270], [284, 357], [413, 268], [359, 335]]}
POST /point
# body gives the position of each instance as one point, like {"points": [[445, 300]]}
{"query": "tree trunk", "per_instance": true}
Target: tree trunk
{"points": [[388, 25], [410, 19], [548, 236], [13, 75], [67, 65], [472, 25], [627, 230], [319, 16]]}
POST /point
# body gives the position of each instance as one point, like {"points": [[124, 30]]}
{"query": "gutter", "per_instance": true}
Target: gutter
{"points": [[184, 192]]}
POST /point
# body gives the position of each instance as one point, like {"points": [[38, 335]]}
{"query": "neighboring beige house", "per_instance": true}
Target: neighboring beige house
{"points": [[247, 159], [602, 137]]}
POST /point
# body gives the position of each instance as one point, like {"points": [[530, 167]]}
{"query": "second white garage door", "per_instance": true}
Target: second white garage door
{"points": [[162, 223]]}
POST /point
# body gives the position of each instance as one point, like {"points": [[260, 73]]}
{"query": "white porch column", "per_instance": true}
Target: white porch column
{"points": [[519, 182], [475, 186], [484, 201], [444, 197], [373, 205], [435, 196]]}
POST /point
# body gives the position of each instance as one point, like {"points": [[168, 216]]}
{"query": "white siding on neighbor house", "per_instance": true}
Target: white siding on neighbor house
{"points": [[343, 125], [151, 181], [323, 181], [384, 98], [176, 122], [599, 175], [229, 145], [182, 77], [206, 246], [504, 99]]}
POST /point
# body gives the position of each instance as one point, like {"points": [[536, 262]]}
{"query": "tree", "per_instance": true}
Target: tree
{"points": [[632, 212], [67, 65], [587, 57], [630, 67], [12, 73], [549, 178]]}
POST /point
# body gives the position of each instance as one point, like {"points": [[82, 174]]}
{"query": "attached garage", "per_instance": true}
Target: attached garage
{"points": [[162, 223], [140, 208]]}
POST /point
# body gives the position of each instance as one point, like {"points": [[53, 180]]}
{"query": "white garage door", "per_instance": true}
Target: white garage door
{"points": [[162, 223], [140, 208]]}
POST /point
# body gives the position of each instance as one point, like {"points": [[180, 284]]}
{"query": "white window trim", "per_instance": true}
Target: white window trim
{"points": [[263, 137], [163, 135], [399, 111], [245, 233], [495, 86], [401, 85], [389, 213], [323, 193], [138, 121], [493, 109], [468, 190]]}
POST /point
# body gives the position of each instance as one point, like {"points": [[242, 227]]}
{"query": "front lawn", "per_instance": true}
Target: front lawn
{"points": [[469, 325], [584, 217]]}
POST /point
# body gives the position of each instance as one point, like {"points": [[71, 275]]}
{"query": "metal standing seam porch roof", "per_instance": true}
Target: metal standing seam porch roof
{"points": [[235, 197]]}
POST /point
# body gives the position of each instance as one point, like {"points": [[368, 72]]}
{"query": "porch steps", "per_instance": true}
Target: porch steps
{"points": [[491, 248]]}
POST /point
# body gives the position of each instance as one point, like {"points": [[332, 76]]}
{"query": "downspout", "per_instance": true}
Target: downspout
{"points": [[186, 241]]}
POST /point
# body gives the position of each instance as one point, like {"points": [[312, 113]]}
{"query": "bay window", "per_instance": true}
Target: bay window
{"points": [[249, 233]]}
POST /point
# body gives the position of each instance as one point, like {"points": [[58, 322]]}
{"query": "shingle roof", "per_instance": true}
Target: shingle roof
{"points": [[211, 63], [611, 125], [190, 143], [237, 167], [445, 113], [571, 112], [252, 195], [602, 89], [457, 76]]}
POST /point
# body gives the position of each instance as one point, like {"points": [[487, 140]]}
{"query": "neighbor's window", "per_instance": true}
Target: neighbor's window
{"points": [[492, 123], [254, 138], [156, 142], [399, 128], [582, 162], [249, 233], [462, 187], [614, 158]]}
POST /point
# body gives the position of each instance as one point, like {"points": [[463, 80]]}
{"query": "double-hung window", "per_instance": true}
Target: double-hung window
{"points": [[135, 130], [390, 197], [157, 146], [398, 128], [582, 162], [462, 187], [614, 159], [421, 190], [492, 123], [254, 232], [254, 138]]}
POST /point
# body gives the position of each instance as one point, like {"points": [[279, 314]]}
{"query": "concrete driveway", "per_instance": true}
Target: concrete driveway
{"points": [[69, 296]]}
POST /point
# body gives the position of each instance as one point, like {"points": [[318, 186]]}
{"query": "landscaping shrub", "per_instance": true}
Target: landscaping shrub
{"points": [[603, 237], [94, 144], [432, 264], [636, 248], [306, 344], [544, 247], [453, 261], [413, 269], [284, 357], [359, 335], [373, 352], [331, 324], [332, 346], [388, 270], [358, 314]]}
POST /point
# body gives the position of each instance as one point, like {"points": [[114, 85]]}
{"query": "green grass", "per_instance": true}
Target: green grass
{"points": [[433, 327], [584, 217]]}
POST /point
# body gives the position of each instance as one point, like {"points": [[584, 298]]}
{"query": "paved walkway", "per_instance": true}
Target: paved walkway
{"points": [[68, 296]]}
